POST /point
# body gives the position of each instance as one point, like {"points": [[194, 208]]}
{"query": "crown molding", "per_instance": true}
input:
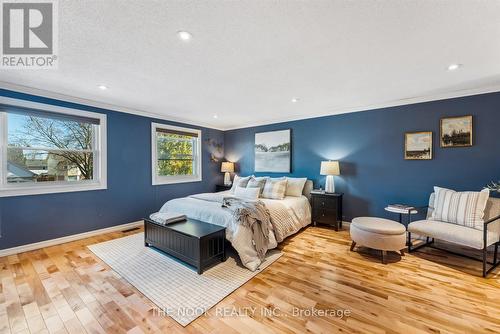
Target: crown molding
{"points": [[101, 105], [337, 111], [394, 103]]}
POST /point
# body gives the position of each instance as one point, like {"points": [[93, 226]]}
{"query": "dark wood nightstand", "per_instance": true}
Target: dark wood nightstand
{"points": [[327, 209], [221, 187]]}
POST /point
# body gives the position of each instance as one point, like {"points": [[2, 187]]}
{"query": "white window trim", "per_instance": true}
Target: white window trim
{"points": [[100, 169], [159, 180]]}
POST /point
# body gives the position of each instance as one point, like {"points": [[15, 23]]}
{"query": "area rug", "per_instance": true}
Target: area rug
{"points": [[174, 287]]}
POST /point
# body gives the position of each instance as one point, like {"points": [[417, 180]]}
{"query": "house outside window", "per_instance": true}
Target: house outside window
{"points": [[50, 149], [176, 154]]}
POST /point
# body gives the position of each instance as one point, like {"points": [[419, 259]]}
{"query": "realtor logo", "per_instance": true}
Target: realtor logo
{"points": [[29, 34]]}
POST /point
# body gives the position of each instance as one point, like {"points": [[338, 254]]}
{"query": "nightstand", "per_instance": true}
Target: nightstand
{"points": [[327, 209], [221, 187]]}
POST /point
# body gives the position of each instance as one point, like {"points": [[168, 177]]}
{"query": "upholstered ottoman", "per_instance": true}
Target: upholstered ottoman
{"points": [[378, 233]]}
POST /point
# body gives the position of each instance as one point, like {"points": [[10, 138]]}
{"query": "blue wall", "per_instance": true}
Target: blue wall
{"points": [[130, 195], [369, 146]]}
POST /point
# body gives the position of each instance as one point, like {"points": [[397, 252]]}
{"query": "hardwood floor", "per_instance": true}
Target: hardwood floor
{"points": [[66, 289]]}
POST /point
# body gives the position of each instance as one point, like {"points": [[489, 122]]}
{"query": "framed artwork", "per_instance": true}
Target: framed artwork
{"points": [[418, 145], [456, 131], [273, 151]]}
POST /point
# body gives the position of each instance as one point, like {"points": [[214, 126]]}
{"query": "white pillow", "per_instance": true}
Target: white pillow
{"points": [[295, 186], [462, 208], [247, 193], [239, 181]]}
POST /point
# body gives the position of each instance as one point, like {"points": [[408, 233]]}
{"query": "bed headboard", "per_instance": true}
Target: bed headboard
{"points": [[307, 189]]}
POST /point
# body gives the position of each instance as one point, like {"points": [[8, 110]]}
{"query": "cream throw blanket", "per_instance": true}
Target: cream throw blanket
{"points": [[254, 215], [283, 221]]}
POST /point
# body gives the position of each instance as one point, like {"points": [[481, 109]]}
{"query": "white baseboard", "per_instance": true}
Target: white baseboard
{"points": [[69, 238]]}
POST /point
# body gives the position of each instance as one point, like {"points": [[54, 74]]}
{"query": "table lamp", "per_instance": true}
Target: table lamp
{"points": [[227, 168], [330, 168]]}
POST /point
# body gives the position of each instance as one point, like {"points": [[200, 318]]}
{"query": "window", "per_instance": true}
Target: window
{"points": [[49, 149], [176, 154]]}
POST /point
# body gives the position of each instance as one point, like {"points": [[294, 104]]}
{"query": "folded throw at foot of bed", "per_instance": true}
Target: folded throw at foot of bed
{"points": [[167, 217], [254, 215]]}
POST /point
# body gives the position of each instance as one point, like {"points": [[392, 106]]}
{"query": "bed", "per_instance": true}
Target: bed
{"points": [[288, 216]]}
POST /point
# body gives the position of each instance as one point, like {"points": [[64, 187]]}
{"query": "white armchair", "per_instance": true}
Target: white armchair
{"points": [[462, 235]]}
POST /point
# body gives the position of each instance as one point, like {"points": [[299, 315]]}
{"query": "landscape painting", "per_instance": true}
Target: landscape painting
{"points": [[418, 145], [273, 151], [456, 131]]}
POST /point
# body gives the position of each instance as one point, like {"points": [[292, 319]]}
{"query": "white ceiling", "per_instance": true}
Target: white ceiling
{"points": [[248, 59]]}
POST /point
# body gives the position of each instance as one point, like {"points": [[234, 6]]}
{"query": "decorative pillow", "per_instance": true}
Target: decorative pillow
{"points": [[240, 181], [461, 208], [257, 182], [275, 188], [247, 193], [295, 186]]}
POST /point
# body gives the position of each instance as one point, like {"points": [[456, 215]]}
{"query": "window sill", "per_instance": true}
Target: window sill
{"points": [[173, 180], [50, 189]]}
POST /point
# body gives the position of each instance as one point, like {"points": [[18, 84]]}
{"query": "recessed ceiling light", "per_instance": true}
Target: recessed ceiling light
{"points": [[453, 67], [102, 87], [215, 116], [184, 35], [295, 100]]}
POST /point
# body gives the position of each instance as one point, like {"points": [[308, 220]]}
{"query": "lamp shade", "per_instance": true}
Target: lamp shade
{"points": [[227, 167], [330, 168]]}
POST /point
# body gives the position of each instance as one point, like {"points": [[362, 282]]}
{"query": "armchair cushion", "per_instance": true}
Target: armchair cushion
{"points": [[462, 208], [454, 233]]}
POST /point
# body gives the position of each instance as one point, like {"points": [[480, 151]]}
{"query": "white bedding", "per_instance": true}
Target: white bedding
{"points": [[297, 211]]}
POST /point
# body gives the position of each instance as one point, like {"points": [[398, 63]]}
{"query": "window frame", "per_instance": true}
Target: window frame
{"points": [[23, 189], [197, 154]]}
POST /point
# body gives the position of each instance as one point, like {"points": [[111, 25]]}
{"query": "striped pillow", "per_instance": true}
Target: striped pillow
{"points": [[240, 182], [461, 208], [275, 188], [257, 182]]}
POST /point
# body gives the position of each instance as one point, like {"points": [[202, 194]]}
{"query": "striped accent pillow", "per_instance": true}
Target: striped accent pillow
{"points": [[461, 208], [240, 182], [257, 182], [274, 188]]}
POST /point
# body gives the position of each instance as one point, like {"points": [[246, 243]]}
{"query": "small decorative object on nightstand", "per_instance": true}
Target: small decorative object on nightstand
{"points": [[227, 168], [327, 209], [221, 187], [330, 168]]}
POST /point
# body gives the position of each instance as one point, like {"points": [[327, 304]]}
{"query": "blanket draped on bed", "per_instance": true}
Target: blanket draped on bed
{"points": [[283, 221], [254, 215]]}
